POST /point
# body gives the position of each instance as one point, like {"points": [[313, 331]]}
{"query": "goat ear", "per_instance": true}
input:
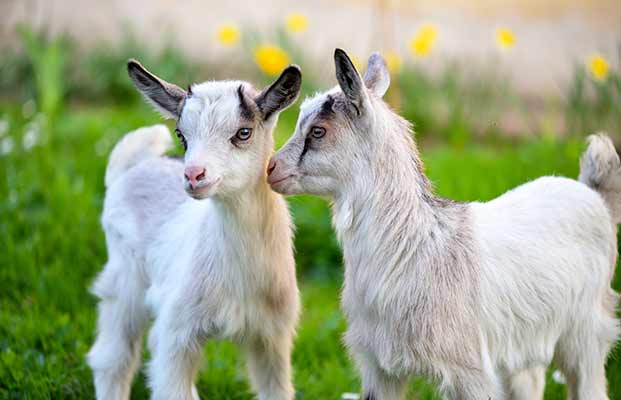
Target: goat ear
{"points": [[166, 97], [280, 94], [377, 77], [349, 80]]}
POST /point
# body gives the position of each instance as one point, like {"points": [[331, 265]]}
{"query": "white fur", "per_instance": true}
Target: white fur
{"points": [[478, 297], [142, 144], [217, 268]]}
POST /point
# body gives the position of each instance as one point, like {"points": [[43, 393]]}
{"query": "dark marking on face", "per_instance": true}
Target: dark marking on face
{"points": [[326, 110], [307, 143], [244, 108]]}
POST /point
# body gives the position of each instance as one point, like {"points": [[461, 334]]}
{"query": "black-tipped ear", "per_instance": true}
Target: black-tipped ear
{"points": [[377, 78], [349, 80], [282, 93], [166, 97]]}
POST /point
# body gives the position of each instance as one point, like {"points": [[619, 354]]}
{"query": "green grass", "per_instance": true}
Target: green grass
{"points": [[51, 247]]}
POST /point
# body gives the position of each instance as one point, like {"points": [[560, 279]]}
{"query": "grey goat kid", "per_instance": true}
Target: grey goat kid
{"points": [[217, 264], [477, 297]]}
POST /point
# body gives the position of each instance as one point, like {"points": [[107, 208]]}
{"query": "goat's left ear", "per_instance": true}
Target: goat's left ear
{"points": [[377, 77], [280, 94]]}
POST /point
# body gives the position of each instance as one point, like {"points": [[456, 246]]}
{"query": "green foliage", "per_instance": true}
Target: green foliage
{"points": [[48, 59], [101, 73], [454, 106]]}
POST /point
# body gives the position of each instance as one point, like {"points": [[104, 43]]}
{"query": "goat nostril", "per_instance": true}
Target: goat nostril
{"points": [[271, 166], [201, 176]]}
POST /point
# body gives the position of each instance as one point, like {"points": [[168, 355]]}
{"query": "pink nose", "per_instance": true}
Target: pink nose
{"points": [[271, 167], [194, 175]]}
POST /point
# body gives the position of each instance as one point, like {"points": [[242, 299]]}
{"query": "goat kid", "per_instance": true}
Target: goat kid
{"points": [[216, 265], [478, 297]]}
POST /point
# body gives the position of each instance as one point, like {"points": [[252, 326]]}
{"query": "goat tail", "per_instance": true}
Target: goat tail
{"points": [[136, 146], [600, 169]]}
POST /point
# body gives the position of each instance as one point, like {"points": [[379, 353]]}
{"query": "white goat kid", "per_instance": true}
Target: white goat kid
{"points": [[478, 297], [216, 265]]}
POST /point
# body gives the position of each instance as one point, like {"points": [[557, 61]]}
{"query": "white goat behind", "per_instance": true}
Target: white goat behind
{"points": [[216, 265], [478, 297]]}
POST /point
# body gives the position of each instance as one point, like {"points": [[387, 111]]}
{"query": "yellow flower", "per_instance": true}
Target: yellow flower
{"points": [[271, 59], [423, 41], [505, 38], [228, 34], [598, 66], [393, 61], [296, 22]]}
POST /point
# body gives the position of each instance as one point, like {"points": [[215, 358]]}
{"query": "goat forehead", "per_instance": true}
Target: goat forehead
{"points": [[214, 104], [313, 104]]}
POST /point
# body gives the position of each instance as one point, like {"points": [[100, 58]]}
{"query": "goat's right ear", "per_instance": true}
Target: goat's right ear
{"points": [[350, 81], [282, 93], [166, 97]]}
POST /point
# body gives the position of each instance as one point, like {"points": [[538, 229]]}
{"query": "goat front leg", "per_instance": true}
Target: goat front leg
{"points": [[176, 356], [473, 385], [528, 384], [269, 367]]}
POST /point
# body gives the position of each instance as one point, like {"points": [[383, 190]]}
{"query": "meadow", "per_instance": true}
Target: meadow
{"points": [[61, 114]]}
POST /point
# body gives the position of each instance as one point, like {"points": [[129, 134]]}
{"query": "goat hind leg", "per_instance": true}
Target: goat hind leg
{"points": [[115, 355], [377, 384]]}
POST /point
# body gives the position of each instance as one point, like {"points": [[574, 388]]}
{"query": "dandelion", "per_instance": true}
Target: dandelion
{"points": [[393, 62], [598, 66], [228, 34], [505, 38], [423, 41], [271, 59], [6, 145], [296, 22]]}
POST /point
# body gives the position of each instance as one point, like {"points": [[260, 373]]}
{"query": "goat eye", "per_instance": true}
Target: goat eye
{"points": [[184, 143], [318, 132], [243, 134]]}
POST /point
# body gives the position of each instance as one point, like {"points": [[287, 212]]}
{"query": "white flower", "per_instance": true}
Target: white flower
{"points": [[350, 396], [6, 145], [557, 376], [31, 137]]}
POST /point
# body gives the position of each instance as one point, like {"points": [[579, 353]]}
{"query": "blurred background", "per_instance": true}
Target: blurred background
{"points": [[500, 92]]}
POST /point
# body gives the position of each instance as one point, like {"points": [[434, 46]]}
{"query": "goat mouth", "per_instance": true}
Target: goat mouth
{"points": [[203, 191], [277, 181]]}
